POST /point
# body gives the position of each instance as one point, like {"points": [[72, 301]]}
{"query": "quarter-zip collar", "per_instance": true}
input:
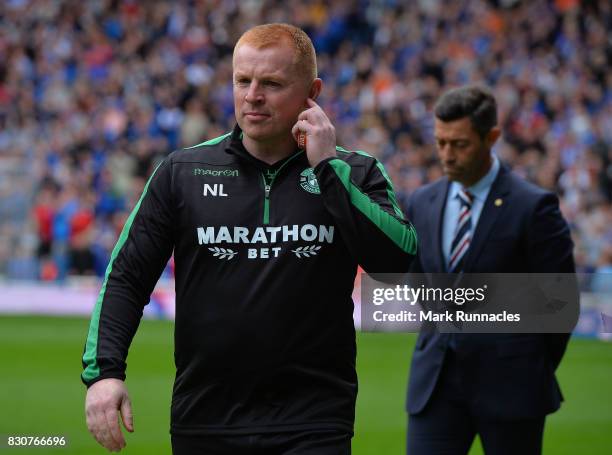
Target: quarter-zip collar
{"points": [[236, 147]]}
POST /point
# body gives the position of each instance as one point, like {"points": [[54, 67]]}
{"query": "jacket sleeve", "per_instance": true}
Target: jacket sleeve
{"points": [[549, 240], [138, 259], [362, 202], [551, 252]]}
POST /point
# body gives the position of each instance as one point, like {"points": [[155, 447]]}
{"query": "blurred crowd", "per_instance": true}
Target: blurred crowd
{"points": [[94, 92]]}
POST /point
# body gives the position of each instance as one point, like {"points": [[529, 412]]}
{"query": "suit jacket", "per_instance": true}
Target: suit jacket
{"points": [[511, 376]]}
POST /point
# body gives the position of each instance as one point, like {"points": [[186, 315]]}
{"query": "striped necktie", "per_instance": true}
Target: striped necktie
{"points": [[463, 232]]}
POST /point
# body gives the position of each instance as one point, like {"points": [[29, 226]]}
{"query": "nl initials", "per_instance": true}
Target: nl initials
{"points": [[215, 189]]}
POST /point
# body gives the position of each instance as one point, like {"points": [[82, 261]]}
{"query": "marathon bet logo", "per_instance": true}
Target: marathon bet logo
{"points": [[271, 239], [306, 251], [223, 253], [308, 181]]}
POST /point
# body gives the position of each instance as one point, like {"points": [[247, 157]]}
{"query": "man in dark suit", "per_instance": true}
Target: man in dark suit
{"points": [[480, 218]]}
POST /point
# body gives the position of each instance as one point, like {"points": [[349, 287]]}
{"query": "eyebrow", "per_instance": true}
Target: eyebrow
{"points": [[454, 139]]}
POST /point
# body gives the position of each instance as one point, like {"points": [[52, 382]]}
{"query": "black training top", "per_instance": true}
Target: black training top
{"points": [[265, 260]]}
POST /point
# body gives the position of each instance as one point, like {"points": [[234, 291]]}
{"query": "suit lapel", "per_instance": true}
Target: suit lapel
{"points": [[436, 214], [490, 212]]}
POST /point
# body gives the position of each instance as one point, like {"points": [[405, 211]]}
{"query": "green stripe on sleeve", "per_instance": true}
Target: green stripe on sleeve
{"points": [[90, 359], [404, 236], [381, 168]]}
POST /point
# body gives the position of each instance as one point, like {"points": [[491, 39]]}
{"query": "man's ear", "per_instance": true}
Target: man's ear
{"points": [[315, 88], [492, 136]]}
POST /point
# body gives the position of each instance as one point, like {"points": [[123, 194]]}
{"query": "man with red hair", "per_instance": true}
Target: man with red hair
{"points": [[268, 224]]}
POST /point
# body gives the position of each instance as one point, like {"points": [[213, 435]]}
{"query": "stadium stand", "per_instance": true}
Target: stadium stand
{"points": [[94, 93]]}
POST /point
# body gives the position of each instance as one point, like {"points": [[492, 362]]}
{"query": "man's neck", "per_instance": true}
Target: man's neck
{"points": [[486, 167], [269, 152]]}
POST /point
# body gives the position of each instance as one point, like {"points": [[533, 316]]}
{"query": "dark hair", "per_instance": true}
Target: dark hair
{"points": [[471, 101]]}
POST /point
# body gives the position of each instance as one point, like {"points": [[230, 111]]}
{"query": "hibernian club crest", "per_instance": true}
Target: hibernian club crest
{"points": [[308, 181]]}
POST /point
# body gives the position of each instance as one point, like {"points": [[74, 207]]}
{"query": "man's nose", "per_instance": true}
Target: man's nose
{"points": [[253, 94], [446, 153]]}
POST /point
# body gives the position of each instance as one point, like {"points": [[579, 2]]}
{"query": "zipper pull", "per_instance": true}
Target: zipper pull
{"points": [[267, 190]]}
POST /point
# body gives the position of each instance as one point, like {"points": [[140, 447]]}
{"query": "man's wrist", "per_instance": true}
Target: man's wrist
{"points": [[118, 376], [322, 162]]}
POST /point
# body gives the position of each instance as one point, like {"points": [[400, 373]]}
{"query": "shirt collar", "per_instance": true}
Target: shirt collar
{"points": [[236, 147], [480, 189]]}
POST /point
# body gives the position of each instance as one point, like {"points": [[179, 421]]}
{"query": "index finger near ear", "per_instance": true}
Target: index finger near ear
{"points": [[314, 115], [312, 103], [316, 109]]}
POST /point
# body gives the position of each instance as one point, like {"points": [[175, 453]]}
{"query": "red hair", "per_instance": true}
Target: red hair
{"points": [[270, 35]]}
